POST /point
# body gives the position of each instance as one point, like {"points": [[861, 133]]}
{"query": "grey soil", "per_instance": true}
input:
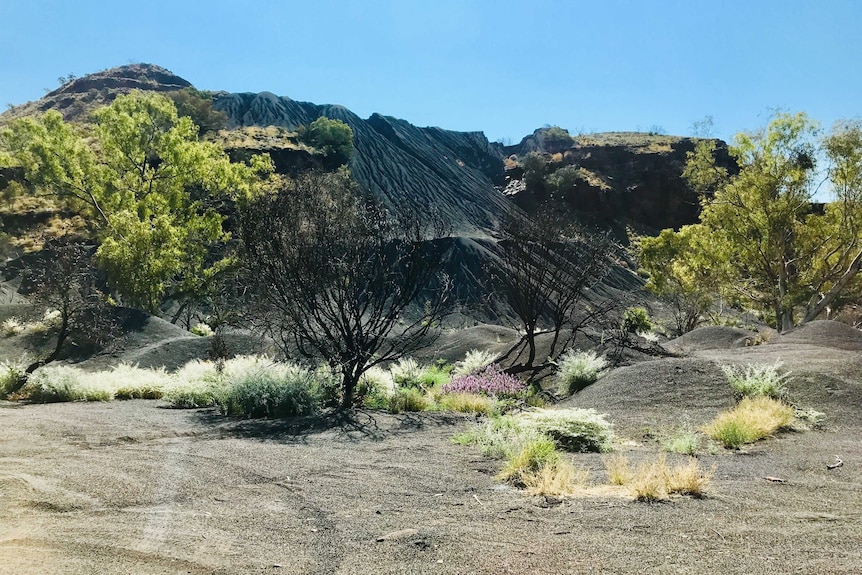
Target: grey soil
{"points": [[132, 487]]}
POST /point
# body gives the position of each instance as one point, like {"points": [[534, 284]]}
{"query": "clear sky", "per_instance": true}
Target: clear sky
{"points": [[503, 67]]}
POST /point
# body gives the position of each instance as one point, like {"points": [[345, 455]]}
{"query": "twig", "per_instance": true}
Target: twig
{"points": [[477, 500], [774, 479], [717, 533]]}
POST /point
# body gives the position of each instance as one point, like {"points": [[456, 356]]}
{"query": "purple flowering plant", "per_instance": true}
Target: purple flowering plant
{"points": [[492, 381]]}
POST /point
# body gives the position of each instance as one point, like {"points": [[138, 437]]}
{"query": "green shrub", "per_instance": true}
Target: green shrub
{"points": [[757, 380], [579, 430], [434, 376], [468, 403], [533, 454], [407, 373], [12, 376], [332, 137], [409, 399], [636, 320], [57, 383], [202, 330], [287, 391], [498, 437], [686, 442], [577, 370]]}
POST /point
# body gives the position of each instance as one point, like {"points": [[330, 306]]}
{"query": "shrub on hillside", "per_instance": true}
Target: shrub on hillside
{"points": [[757, 380], [473, 363], [636, 320], [578, 369]]}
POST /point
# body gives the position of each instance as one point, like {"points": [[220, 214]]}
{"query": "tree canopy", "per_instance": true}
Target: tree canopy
{"points": [[333, 137], [145, 182], [761, 241]]}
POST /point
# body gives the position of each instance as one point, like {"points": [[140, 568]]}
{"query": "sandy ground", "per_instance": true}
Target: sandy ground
{"points": [[133, 487]]}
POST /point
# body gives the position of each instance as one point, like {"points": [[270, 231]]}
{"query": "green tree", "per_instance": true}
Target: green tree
{"points": [[333, 137], [760, 238], [145, 182], [198, 106], [681, 271]]}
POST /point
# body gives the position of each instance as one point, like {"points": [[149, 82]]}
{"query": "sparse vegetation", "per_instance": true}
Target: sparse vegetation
{"points": [[685, 442], [556, 478], [468, 403], [757, 380], [656, 480], [752, 419], [12, 377], [492, 381], [578, 369], [636, 320], [284, 390], [474, 362], [202, 330], [579, 430]]}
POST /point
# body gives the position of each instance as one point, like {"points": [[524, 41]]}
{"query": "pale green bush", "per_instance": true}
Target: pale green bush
{"points": [[572, 429], [282, 391], [56, 383], [11, 377], [578, 369], [757, 380], [473, 363], [202, 330], [407, 372]]}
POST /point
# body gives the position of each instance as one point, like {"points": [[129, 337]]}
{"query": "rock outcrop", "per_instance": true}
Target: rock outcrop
{"points": [[628, 177]]}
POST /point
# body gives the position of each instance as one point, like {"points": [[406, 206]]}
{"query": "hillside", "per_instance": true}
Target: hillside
{"points": [[623, 180], [630, 177]]}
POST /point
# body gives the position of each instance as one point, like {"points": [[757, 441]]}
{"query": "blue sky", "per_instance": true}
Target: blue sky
{"points": [[503, 67]]}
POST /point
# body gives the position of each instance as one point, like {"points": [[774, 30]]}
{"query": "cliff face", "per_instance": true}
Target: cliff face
{"points": [[629, 177]]}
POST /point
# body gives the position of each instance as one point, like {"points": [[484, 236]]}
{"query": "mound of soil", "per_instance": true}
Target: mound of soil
{"points": [[825, 333], [711, 337], [656, 394]]}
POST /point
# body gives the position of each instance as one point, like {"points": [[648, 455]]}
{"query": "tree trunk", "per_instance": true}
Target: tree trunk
{"points": [[815, 310], [348, 388]]}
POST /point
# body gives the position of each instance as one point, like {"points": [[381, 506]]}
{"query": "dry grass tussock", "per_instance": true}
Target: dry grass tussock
{"points": [[559, 478], [656, 480], [751, 420]]}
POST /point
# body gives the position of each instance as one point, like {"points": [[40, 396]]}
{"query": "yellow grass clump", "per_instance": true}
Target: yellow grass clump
{"points": [[752, 419], [557, 478], [468, 403], [656, 480]]}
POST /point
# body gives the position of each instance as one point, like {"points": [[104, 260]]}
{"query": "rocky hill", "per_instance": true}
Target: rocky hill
{"points": [[424, 169], [75, 98], [629, 177]]}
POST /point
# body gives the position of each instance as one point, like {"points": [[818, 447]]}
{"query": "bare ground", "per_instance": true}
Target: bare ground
{"points": [[132, 487]]}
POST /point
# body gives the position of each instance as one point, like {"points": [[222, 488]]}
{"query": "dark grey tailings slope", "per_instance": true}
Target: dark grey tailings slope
{"points": [[424, 169]]}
